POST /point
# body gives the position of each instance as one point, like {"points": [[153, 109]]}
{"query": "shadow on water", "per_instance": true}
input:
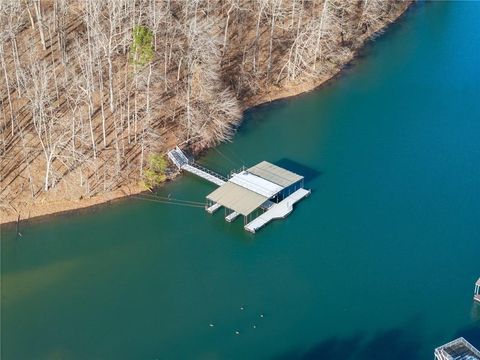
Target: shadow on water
{"points": [[398, 343], [307, 172], [257, 114], [471, 334]]}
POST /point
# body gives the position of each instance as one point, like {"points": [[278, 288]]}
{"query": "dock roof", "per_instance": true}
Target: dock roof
{"points": [[275, 174], [237, 198], [248, 190], [256, 184]]}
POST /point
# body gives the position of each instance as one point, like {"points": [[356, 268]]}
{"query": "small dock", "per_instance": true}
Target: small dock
{"points": [[476, 293], [458, 349], [260, 194]]}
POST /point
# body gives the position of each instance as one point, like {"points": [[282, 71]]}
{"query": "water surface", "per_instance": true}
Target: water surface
{"points": [[378, 263]]}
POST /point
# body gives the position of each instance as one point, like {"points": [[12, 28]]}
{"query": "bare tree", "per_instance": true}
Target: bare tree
{"points": [[50, 130], [37, 5]]}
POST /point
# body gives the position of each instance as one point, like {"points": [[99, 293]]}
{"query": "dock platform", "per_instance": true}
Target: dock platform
{"points": [[277, 211], [213, 208], [232, 216]]}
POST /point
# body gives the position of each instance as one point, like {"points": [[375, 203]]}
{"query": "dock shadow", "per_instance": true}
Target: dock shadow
{"points": [[397, 343], [471, 334], [307, 172]]}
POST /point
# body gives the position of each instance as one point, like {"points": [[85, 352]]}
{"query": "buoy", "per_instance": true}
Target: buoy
{"points": [[261, 315], [212, 325], [237, 332], [241, 307], [254, 326]]}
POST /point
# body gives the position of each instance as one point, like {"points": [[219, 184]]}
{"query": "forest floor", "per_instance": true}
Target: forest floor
{"points": [[54, 202]]}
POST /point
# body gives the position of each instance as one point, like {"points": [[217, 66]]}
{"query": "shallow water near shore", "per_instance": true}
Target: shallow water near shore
{"points": [[378, 263]]}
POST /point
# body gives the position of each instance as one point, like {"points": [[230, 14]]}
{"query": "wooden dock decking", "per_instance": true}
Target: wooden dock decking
{"points": [[277, 211]]}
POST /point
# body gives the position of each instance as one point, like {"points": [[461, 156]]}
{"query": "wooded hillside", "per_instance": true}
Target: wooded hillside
{"points": [[90, 88]]}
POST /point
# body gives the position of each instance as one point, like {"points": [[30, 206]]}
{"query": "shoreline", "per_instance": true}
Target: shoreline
{"points": [[65, 207], [39, 211]]}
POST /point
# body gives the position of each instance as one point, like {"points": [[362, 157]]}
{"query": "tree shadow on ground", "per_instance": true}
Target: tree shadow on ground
{"points": [[399, 343]]}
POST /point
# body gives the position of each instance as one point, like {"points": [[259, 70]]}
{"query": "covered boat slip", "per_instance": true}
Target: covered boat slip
{"points": [[275, 174], [252, 188], [264, 186], [237, 198]]}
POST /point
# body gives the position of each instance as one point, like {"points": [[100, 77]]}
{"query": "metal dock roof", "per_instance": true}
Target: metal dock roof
{"points": [[275, 174], [256, 184], [249, 189], [237, 198]]}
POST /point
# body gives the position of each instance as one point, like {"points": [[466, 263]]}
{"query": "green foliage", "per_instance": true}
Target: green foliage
{"points": [[155, 174], [142, 45]]}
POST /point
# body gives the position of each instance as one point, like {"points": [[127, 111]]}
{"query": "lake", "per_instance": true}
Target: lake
{"points": [[378, 263]]}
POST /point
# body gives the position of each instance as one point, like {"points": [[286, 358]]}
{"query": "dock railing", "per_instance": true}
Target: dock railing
{"points": [[208, 171], [442, 353], [236, 171]]}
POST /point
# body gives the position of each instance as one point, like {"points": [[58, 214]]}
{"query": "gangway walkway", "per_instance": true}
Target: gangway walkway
{"points": [[183, 163]]}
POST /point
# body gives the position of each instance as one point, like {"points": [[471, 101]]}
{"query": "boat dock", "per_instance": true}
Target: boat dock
{"points": [[458, 349], [476, 293], [260, 194]]}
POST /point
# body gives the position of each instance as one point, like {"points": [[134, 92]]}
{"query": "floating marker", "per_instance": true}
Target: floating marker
{"points": [[212, 325], [237, 332], [261, 315], [254, 326], [241, 308]]}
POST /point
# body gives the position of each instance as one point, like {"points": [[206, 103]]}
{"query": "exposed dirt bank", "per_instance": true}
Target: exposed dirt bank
{"points": [[54, 201]]}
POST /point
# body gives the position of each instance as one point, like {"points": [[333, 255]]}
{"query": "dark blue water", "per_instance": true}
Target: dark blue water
{"points": [[378, 263]]}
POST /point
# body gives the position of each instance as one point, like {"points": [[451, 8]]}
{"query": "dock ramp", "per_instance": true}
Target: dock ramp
{"points": [[181, 161]]}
